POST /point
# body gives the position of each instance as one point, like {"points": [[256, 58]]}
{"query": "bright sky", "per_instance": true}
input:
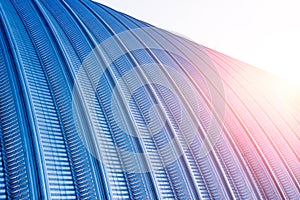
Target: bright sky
{"points": [[263, 33]]}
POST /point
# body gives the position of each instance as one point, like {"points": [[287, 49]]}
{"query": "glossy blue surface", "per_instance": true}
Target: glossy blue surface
{"points": [[95, 104]]}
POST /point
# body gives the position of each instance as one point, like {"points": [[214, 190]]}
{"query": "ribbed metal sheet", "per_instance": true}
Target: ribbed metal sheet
{"points": [[95, 104]]}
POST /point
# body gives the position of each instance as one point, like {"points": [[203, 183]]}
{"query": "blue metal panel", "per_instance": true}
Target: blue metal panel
{"points": [[95, 104]]}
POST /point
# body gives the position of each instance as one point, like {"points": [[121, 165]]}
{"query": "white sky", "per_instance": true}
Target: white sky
{"points": [[264, 33]]}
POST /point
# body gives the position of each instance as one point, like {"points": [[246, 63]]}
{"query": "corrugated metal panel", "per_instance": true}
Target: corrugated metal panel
{"points": [[95, 104]]}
